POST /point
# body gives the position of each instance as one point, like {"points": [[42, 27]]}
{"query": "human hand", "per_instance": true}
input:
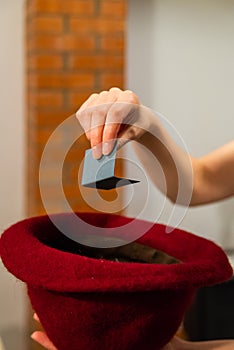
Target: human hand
{"points": [[41, 337], [109, 115], [175, 344]]}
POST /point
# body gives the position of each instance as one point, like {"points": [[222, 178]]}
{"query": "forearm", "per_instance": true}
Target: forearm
{"points": [[169, 166], [189, 181], [216, 174]]}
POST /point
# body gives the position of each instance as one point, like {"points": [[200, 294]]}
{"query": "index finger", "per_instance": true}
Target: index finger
{"points": [[43, 340], [117, 114]]}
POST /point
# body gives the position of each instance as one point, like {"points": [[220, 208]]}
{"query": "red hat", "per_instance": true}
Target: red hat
{"points": [[85, 303]]}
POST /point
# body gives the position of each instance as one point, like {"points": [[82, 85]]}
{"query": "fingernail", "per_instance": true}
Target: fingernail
{"points": [[107, 147], [96, 150], [32, 336], [36, 318]]}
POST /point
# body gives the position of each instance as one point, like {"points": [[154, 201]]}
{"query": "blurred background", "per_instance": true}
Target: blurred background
{"points": [[177, 55]]}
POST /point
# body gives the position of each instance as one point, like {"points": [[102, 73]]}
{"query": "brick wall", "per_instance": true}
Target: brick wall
{"points": [[73, 48]]}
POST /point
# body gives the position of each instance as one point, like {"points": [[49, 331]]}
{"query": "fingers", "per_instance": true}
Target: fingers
{"points": [[36, 318], [84, 115], [41, 337], [98, 119], [116, 116], [92, 116], [102, 115], [43, 340]]}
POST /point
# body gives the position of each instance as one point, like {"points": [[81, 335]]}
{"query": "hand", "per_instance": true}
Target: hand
{"points": [[175, 344], [109, 115], [41, 337]]}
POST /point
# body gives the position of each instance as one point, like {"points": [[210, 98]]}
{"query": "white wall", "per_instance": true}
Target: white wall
{"points": [[12, 303], [180, 63]]}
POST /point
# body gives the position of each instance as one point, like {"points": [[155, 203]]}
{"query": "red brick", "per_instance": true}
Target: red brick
{"points": [[95, 62], [50, 174], [73, 7], [75, 99], [50, 116], [113, 9], [114, 44], [45, 61], [51, 191], [45, 99], [64, 68], [96, 25], [45, 24], [109, 80], [43, 136], [61, 43], [78, 148], [62, 80]]}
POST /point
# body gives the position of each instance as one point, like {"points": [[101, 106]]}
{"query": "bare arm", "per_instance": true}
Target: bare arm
{"points": [[189, 181], [211, 176], [214, 175]]}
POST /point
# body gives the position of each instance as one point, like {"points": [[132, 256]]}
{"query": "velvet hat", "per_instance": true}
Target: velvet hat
{"points": [[86, 303]]}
